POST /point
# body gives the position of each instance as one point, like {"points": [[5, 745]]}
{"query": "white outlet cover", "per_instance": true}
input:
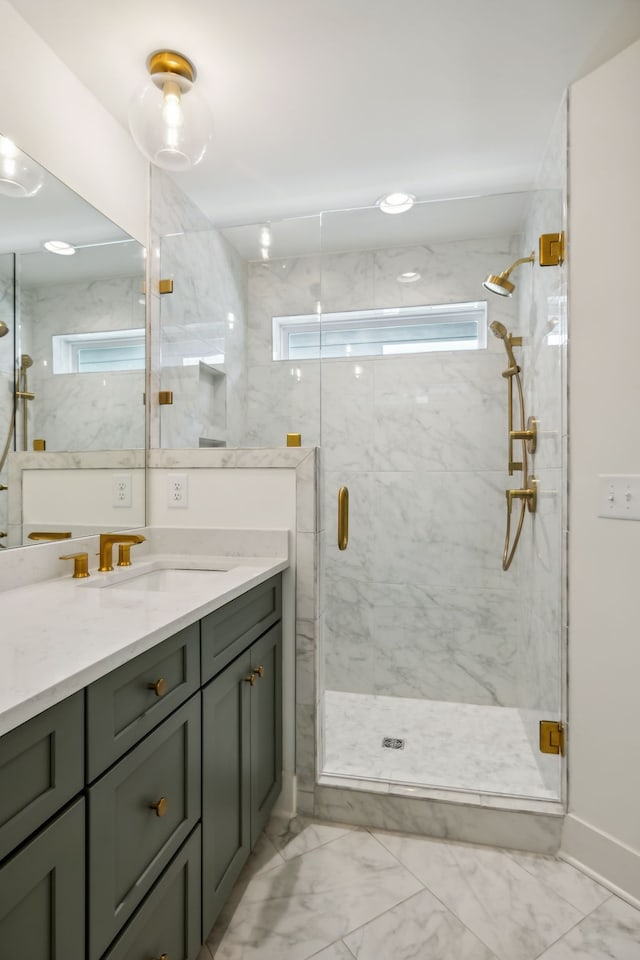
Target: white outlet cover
{"points": [[177, 490], [121, 489]]}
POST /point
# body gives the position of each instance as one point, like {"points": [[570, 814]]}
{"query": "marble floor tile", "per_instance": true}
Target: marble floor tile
{"points": [[337, 951], [309, 902], [575, 887], [513, 913], [292, 838], [611, 932], [447, 745], [418, 928]]}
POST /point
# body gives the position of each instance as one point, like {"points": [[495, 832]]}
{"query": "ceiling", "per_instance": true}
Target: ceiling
{"points": [[326, 105]]}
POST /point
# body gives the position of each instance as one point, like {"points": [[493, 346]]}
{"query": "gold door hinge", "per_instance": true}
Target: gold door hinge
{"points": [[165, 397], [551, 250], [551, 737], [165, 286]]}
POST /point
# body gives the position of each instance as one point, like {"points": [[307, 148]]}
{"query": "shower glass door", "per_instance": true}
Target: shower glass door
{"points": [[438, 665]]}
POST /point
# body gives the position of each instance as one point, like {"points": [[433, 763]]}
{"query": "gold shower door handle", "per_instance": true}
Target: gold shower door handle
{"points": [[343, 518]]}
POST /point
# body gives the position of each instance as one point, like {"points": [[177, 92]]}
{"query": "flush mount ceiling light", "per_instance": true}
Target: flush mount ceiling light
{"points": [[396, 202], [20, 176], [409, 276], [170, 123], [61, 247]]}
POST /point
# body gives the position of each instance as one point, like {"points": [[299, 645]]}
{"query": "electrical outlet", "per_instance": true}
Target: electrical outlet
{"points": [[121, 489], [177, 490]]}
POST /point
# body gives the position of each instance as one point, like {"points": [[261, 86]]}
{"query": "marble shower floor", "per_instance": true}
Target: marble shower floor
{"points": [[333, 892], [455, 746]]}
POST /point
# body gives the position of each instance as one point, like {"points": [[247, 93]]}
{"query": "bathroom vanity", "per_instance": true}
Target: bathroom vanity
{"points": [[129, 806]]}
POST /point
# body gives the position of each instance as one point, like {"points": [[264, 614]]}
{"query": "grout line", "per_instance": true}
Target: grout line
{"points": [[571, 929], [545, 883]]}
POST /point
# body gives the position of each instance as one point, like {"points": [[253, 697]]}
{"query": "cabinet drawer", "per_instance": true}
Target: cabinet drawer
{"points": [[123, 707], [41, 768], [130, 841], [42, 893], [168, 922], [226, 632]]}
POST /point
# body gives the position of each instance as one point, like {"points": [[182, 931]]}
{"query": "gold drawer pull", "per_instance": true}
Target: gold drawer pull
{"points": [[159, 687], [250, 679], [260, 671], [160, 806]]}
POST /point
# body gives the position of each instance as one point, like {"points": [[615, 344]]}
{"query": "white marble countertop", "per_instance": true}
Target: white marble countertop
{"points": [[59, 635]]}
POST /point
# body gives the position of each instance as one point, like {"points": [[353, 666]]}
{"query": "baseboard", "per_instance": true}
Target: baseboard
{"points": [[285, 805], [602, 857]]}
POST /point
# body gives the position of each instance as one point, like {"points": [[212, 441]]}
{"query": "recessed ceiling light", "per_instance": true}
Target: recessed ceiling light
{"points": [[60, 247], [409, 277], [396, 202]]}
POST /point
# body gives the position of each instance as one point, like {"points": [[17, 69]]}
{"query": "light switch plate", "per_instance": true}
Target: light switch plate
{"points": [[619, 496]]}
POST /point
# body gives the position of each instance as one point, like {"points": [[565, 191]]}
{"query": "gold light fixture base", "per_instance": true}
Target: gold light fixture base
{"points": [[169, 61], [551, 251]]}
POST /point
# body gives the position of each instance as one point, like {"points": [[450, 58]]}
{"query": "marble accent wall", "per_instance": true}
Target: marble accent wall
{"points": [[198, 332], [542, 561], [82, 411], [6, 371], [418, 605]]}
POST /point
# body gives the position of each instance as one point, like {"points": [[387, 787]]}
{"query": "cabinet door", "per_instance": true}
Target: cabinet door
{"points": [[42, 894], [140, 813], [41, 769], [266, 728], [225, 785], [168, 922]]}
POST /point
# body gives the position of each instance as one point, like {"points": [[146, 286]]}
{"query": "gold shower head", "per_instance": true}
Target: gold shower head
{"points": [[499, 282]]}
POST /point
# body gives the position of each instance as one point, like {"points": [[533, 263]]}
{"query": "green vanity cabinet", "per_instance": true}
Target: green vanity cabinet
{"points": [[42, 893], [241, 764], [128, 810]]}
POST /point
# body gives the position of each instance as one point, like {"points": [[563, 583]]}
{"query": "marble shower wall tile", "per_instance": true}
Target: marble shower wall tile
{"points": [[83, 411], [283, 398]]}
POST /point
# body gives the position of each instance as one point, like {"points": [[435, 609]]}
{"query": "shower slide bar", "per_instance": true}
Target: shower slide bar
{"points": [[527, 434]]}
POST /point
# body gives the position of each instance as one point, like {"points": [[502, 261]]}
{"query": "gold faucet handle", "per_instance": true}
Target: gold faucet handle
{"points": [[80, 564]]}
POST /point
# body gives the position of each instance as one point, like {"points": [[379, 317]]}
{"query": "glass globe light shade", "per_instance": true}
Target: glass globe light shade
{"points": [[170, 122], [20, 176]]}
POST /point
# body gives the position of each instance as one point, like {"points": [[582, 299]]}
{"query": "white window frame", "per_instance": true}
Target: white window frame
{"points": [[66, 346], [475, 310]]}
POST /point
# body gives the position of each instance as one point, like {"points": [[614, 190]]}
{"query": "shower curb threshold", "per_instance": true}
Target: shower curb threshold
{"points": [[445, 815]]}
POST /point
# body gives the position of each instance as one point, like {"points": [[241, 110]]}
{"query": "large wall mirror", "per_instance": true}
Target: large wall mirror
{"points": [[72, 362]]}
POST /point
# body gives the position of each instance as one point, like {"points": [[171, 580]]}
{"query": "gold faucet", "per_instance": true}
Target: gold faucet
{"points": [[107, 541]]}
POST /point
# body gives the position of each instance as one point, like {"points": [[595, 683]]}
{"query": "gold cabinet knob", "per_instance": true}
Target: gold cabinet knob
{"points": [[160, 806], [159, 687], [250, 679], [260, 671]]}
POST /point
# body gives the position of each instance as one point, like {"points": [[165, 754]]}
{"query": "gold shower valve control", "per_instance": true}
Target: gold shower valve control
{"points": [[80, 564], [530, 435]]}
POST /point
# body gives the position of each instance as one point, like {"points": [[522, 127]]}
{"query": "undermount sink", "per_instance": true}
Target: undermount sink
{"points": [[162, 577], [166, 580]]}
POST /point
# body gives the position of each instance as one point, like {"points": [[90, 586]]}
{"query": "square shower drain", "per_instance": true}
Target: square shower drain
{"points": [[393, 743]]}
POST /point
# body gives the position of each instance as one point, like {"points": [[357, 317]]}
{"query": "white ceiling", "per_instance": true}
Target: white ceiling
{"points": [[326, 105]]}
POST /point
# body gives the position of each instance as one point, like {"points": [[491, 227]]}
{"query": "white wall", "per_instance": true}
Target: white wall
{"points": [[57, 121], [603, 826]]}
